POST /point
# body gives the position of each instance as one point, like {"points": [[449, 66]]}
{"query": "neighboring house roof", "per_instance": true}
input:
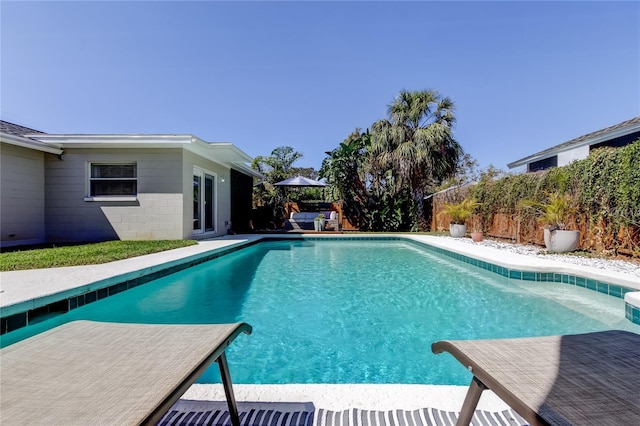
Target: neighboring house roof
{"points": [[15, 134], [602, 135]]}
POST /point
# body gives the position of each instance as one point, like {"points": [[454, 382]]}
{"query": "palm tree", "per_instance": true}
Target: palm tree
{"points": [[416, 143]]}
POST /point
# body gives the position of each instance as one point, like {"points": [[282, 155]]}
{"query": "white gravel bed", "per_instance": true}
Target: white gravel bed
{"points": [[615, 265]]}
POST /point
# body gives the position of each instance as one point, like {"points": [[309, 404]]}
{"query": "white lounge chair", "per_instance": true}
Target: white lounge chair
{"points": [[86, 372], [581, 379]]}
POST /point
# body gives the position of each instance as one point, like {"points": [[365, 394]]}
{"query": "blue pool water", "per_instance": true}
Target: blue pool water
{"points": [[351, 311]]}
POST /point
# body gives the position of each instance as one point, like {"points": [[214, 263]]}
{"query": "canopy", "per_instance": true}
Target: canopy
{"points": [[300, 181]]}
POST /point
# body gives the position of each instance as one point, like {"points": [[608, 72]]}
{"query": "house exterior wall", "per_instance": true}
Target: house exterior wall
{"points": [[579, 153], [222, 197], [157, 212], [22, 199]]}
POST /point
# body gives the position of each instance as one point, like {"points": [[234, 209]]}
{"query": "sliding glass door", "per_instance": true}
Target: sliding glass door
{"points": [[204, 201]]}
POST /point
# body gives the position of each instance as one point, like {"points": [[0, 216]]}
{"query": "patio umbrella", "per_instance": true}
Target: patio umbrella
{"points": [[300, 181]]}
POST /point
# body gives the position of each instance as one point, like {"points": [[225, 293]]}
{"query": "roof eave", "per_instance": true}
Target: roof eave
{"points": [[113, 141], [242, 167], [589, 141], [224, 153], [27, 142]]}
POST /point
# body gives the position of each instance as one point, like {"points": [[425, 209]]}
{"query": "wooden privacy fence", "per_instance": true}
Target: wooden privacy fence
{"points": [[596, 236]]}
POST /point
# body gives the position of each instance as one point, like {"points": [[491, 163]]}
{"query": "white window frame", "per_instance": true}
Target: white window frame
{"points": [[197, 171], [90, 179]]}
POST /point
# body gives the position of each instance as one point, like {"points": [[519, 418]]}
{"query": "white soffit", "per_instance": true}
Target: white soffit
{"points": [[223, 153]]}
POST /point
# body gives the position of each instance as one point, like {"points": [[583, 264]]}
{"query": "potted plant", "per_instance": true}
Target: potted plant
{"points": [[477, 235], [318, 223], [459, 213], [553, 216]]}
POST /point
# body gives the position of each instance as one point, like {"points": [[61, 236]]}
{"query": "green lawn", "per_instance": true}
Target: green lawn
{"points": [[85, 254]]}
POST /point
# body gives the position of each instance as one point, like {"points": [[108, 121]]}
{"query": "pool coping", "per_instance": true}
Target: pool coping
{"points": [[31, 293], [338, 397], [537, 268]]}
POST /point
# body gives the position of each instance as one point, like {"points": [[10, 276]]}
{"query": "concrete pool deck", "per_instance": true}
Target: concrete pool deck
{"points": [[343, 397], [21, 291]]}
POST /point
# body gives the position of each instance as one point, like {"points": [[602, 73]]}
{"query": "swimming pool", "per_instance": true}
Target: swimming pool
{"points": [[351, 311]]}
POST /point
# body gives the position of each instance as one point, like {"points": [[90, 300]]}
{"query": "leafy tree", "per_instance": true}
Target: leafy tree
{"points": [[279, 165], [416, 143], [368, 200], [309, 172], [344, 171], [466, 172], [267, 198]]}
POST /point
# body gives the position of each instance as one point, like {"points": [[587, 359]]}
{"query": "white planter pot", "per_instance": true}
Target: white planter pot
{"points": [[457, 231], [316, 225], [561, 241]]}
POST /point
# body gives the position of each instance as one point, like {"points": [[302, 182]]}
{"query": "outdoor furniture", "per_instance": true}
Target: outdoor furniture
{"points": [[582, 379], [332, 220], [86, 372], [303, 221]]}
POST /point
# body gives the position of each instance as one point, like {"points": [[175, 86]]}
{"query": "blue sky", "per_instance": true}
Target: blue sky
{"points": [[524, 75]]}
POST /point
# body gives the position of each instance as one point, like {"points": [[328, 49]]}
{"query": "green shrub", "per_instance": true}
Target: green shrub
{"points": [[553, 213], [604, 187], [461, 211]]}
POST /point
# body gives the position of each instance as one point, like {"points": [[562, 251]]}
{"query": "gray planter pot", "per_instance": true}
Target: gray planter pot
{"points": [[561, 241], [457, 231]]}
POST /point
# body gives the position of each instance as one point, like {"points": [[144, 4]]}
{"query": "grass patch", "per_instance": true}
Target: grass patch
{"points": [[85, 254]]}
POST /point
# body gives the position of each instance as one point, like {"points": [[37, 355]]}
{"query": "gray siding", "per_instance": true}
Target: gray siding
{"points": [[156, 214], [22, 200], [223, 194]]}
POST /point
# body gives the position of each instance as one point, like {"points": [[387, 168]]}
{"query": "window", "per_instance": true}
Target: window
{"points": [[543, 164], [107, 180], [617, 142]]}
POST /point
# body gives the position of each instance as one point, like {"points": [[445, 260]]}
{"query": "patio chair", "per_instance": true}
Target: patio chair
{"points": [[86, 372], [582, 379]]}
